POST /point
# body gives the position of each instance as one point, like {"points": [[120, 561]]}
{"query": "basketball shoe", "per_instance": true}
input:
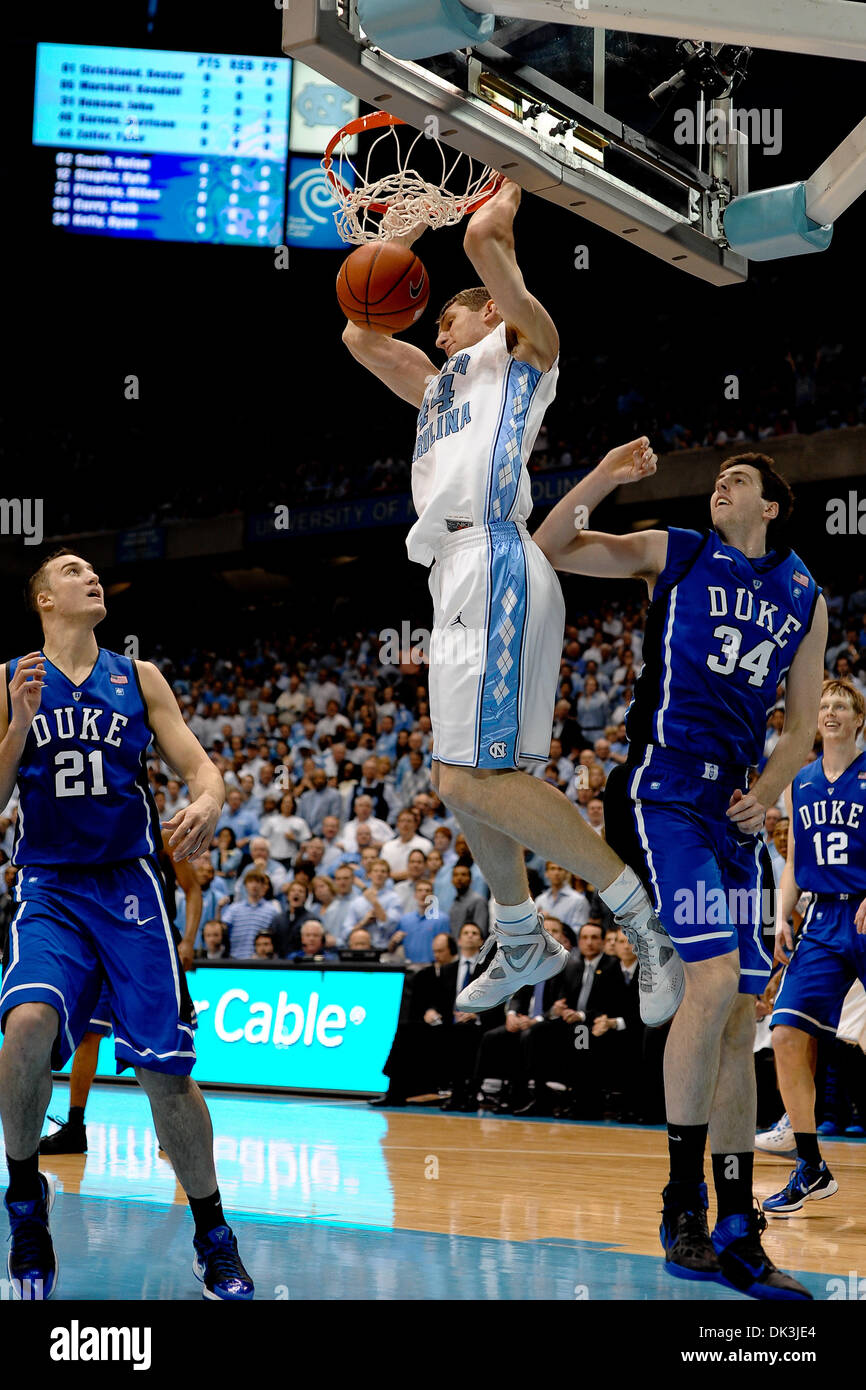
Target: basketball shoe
{"points": [[745, 1265], [32, 1264], [778, 1141], [689, 1252], [69, 1138], [519, 959], [661, 979], [218, 1265], [806, 1184]]}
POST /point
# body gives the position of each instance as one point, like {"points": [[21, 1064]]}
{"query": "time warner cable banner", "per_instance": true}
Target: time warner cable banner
{"points": [[318, 1030]]}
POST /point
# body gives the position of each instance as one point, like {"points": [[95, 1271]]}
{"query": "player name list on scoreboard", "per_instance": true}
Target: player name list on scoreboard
{"points": [[162, 144]]}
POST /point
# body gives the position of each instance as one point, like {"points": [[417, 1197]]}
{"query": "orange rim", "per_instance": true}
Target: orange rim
{"points": [[375, 121]]}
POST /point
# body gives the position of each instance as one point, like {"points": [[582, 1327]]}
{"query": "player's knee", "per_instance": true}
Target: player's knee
{"points": [[789, 1042], [713, 985], [456, 788], [160, 1084], [32, 1026]]}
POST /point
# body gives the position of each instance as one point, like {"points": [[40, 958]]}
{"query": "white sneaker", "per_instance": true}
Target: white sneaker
{"points": [[661, 979], [520, 960], [778, 1141]]}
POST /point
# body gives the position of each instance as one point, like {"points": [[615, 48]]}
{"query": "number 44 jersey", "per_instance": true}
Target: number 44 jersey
{"points": [[82, 779], [721, 634]]}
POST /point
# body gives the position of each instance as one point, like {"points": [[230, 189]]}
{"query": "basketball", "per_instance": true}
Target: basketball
{"points": [[383, 286]]}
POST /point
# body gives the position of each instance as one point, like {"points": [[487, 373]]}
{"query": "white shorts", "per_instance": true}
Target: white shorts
{"points": [[496, 648]]}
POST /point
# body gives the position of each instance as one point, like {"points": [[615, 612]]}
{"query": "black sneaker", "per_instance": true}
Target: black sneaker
{"points": [[744, 1264], [70, 1138], [689, 1252]]}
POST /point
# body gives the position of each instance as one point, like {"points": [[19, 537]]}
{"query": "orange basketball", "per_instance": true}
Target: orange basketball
{"points": [[383, 286]]}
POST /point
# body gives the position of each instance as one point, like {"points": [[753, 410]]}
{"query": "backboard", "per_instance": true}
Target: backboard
{"points": [[565, 111]]}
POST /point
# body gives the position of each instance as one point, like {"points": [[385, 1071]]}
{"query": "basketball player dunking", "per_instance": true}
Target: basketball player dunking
{"points": [[826, 805], [498, 609], [75, 725], [729, 620]]}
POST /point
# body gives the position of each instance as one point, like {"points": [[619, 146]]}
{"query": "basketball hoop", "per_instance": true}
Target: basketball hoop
{"points": [[379, 208]]}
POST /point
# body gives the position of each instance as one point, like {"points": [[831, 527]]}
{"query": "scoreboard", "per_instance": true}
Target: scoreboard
{"points": [[164, 145]]}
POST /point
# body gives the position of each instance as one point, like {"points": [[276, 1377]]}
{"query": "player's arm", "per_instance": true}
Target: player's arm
{"points": [[400, 366], [788, 893], [802, 698], [569, 547], [489, 244], [188, 880], [25, 693], [192, 828]]}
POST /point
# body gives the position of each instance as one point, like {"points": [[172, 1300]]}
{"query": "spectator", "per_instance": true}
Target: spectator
{"points": [[396, 851], [313, 944], [226, 860], [464, 856], [468, 906], [377, 908], [214, 942], [359, 940], [240, 819], [593, 709], [560, 900], [204, 872], [332, 852], [595, 815], [261, 860], [379, 830], [285, 831], [416, 1061], [245, 919], [286, 927], [319, 801], [416, 868], [333, 917], [415, 779], [416, 929], [370, 785], [779, 848], [263, 946]]}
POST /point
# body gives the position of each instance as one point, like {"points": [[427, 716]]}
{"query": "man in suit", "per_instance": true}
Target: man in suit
{"points": [[415, 1058], [562, 1048], [463, 1038], [502, 1054], [567, 729], [624, 1034]]}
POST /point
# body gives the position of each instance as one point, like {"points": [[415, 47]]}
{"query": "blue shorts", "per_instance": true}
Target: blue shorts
{"points": [[711, 885], [79, 927], [829, 955], [102, 1022]]}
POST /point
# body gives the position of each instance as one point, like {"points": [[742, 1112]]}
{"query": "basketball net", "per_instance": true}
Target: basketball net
{"points": [[387, 206]]}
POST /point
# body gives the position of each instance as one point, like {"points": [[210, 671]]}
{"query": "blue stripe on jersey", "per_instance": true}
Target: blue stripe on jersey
{"points": [[830, 829], [82, 779], [721, 634], [500, 693], [521, 381]]}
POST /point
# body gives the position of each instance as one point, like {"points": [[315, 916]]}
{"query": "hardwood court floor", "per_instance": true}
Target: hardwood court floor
{"points": [[332, 1199]]}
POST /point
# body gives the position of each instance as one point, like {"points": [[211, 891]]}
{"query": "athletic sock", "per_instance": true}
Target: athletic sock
{"points": [[807, 1147], [732, 1178], [76, 1115], [686, 1144], [517, 920], [625, 888], [24, 1182], [207, 1213]]}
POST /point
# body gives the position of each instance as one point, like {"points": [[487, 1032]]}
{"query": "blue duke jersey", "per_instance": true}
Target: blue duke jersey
{"points": [[721, 635], [476, 429], [830, 829], [82, 780]]}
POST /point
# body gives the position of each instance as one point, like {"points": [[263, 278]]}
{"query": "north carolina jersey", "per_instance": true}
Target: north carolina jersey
{"points": [[721, 633], [82, 779], [830, 829], [476, 428]]}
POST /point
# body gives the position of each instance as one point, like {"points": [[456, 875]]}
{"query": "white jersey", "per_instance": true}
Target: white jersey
{"points": [[476, 428]]}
